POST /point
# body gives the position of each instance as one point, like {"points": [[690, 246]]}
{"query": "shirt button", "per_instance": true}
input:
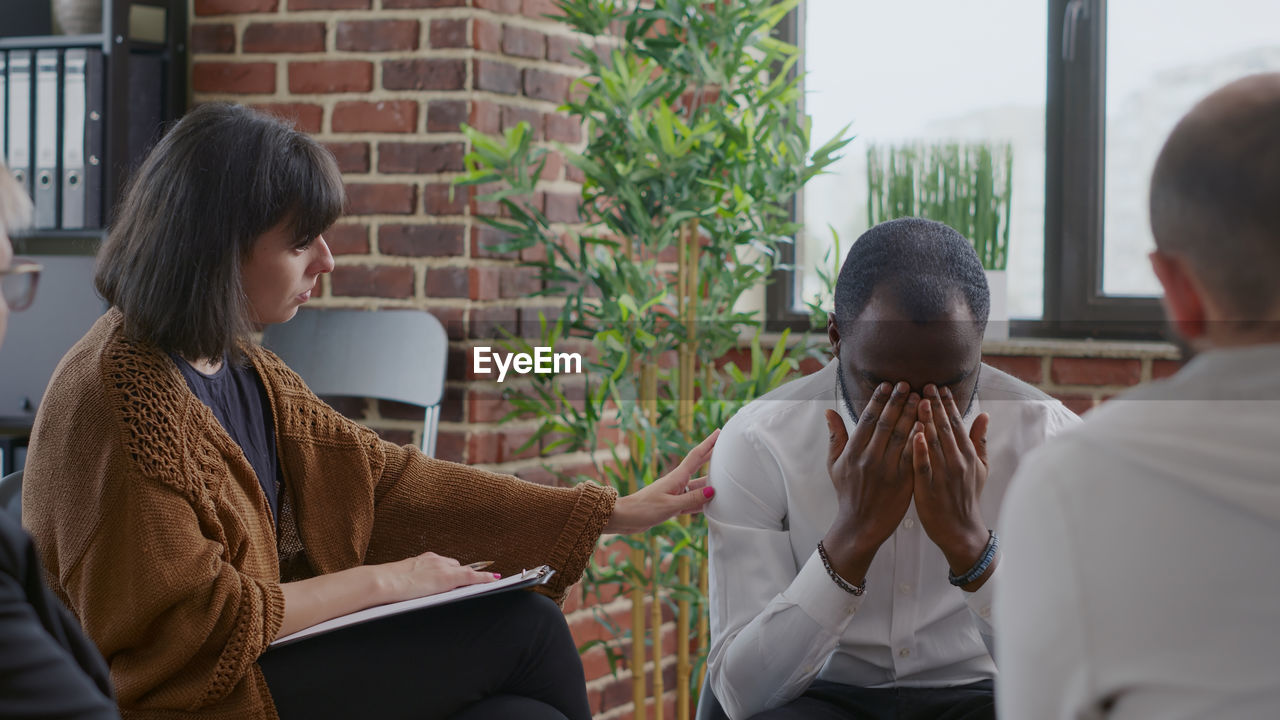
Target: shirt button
{"points": [[908, 523], [905, 588], [985, 613], [904, 652]]}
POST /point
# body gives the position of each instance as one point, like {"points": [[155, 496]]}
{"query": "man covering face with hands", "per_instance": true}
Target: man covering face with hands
{"points": [[855, 538]]}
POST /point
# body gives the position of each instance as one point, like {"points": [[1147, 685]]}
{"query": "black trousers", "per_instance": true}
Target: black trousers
{"points": [[834, 701], [504, 656]]}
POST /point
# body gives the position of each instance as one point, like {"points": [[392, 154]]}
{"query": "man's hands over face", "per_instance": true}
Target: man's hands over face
{"points": [[949, 471], [905, 446], [872, 475]]}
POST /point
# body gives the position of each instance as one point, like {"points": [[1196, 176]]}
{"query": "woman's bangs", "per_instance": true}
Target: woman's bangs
{"points": [[320, 196]]}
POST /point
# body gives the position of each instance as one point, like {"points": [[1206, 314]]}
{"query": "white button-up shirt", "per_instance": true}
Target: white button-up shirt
{"points": [[1141, 578], [778, 621]]}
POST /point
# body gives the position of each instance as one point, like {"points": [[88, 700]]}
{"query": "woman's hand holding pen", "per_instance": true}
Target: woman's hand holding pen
{"points": [[675, 493]]}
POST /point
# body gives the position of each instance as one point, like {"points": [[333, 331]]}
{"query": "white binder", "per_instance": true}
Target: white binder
{"points": [[4, 105], [74, 116], [20, 117], [45, 182]]}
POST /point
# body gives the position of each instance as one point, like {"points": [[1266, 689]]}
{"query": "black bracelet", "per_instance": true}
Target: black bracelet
{"points": [[841, 582], [984, 562]]}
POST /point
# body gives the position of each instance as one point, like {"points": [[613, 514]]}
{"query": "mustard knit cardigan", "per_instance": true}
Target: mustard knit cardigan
{"points": [[154, 531]]}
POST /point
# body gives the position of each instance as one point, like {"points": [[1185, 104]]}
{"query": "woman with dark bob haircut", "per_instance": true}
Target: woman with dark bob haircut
{"points": [[192, 500]]}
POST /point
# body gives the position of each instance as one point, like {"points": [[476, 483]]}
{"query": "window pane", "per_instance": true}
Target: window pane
{"points": [[927, 71], [1162, 57]]}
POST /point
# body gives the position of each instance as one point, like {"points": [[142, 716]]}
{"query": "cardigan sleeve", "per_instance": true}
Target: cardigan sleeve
{"points": [[363, 499], [423, 504], [179, 626]]}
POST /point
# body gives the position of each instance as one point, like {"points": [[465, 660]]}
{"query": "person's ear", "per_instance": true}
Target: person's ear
{"points": [[833, 334], [1183, 300]]}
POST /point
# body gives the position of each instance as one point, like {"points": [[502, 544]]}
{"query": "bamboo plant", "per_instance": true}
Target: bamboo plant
{"points": [[694, 147], [968, 187]]}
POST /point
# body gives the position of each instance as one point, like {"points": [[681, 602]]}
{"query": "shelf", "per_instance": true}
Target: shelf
{"points": [[96, 40], [99, 40], [59, 242]]}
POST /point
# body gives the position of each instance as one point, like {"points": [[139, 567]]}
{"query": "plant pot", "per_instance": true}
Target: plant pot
{"points": [[998, 319], [77, 17]]}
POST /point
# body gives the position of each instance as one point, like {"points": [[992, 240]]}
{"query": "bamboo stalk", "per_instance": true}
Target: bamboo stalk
{"points": [[656, 621], [684, 671], [649, 403], [639, 557], [637, 637], [704, 630], [688, 297]]}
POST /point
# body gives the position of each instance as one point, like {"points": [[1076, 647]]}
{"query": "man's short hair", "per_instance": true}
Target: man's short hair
{"points": [[923, 263], [222, 177], [1215, 194], [15, 206]]}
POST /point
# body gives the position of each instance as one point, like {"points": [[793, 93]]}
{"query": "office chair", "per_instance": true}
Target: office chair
{"points": [[395, 355], [11, 494]]}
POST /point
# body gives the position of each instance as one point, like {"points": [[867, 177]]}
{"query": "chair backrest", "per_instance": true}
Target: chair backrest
{"points": [[11, 494], [38, 337], [395, 355], [708, 706]]}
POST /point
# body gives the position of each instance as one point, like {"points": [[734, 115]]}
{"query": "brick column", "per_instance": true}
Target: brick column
{"points": [[385, 84]]}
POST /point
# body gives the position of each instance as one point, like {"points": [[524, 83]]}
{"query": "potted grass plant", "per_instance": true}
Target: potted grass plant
{"points": [[966, 186]]}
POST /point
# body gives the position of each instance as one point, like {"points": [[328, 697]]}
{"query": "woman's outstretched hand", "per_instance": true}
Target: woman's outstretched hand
{"points": [[673, 494]]}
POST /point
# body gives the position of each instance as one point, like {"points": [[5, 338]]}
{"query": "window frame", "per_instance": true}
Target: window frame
{"points": [[780, 293], [1075, 117]]}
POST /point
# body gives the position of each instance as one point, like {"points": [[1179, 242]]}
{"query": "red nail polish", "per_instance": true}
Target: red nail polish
{"points": [[497, 576], [708, 492]]}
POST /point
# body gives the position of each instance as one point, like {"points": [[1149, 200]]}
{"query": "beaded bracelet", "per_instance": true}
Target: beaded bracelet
{"points": [[841, 582], [976, 571]]}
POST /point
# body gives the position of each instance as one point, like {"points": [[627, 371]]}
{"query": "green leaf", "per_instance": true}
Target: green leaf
{"points": [[627, 304]]}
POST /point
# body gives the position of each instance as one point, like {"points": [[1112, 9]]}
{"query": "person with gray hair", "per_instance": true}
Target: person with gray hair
{"points": [[48, 669], [1139, 580]]}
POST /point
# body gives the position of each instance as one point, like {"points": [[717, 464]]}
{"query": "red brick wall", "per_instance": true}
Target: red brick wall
{"points": [[1083, 374]]}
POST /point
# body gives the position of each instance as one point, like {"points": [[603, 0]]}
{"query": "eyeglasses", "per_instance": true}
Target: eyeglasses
{"points": [[18, 283]]}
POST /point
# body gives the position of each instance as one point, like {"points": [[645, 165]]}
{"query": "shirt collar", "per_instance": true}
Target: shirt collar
{"points": [[1229, 367]]}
